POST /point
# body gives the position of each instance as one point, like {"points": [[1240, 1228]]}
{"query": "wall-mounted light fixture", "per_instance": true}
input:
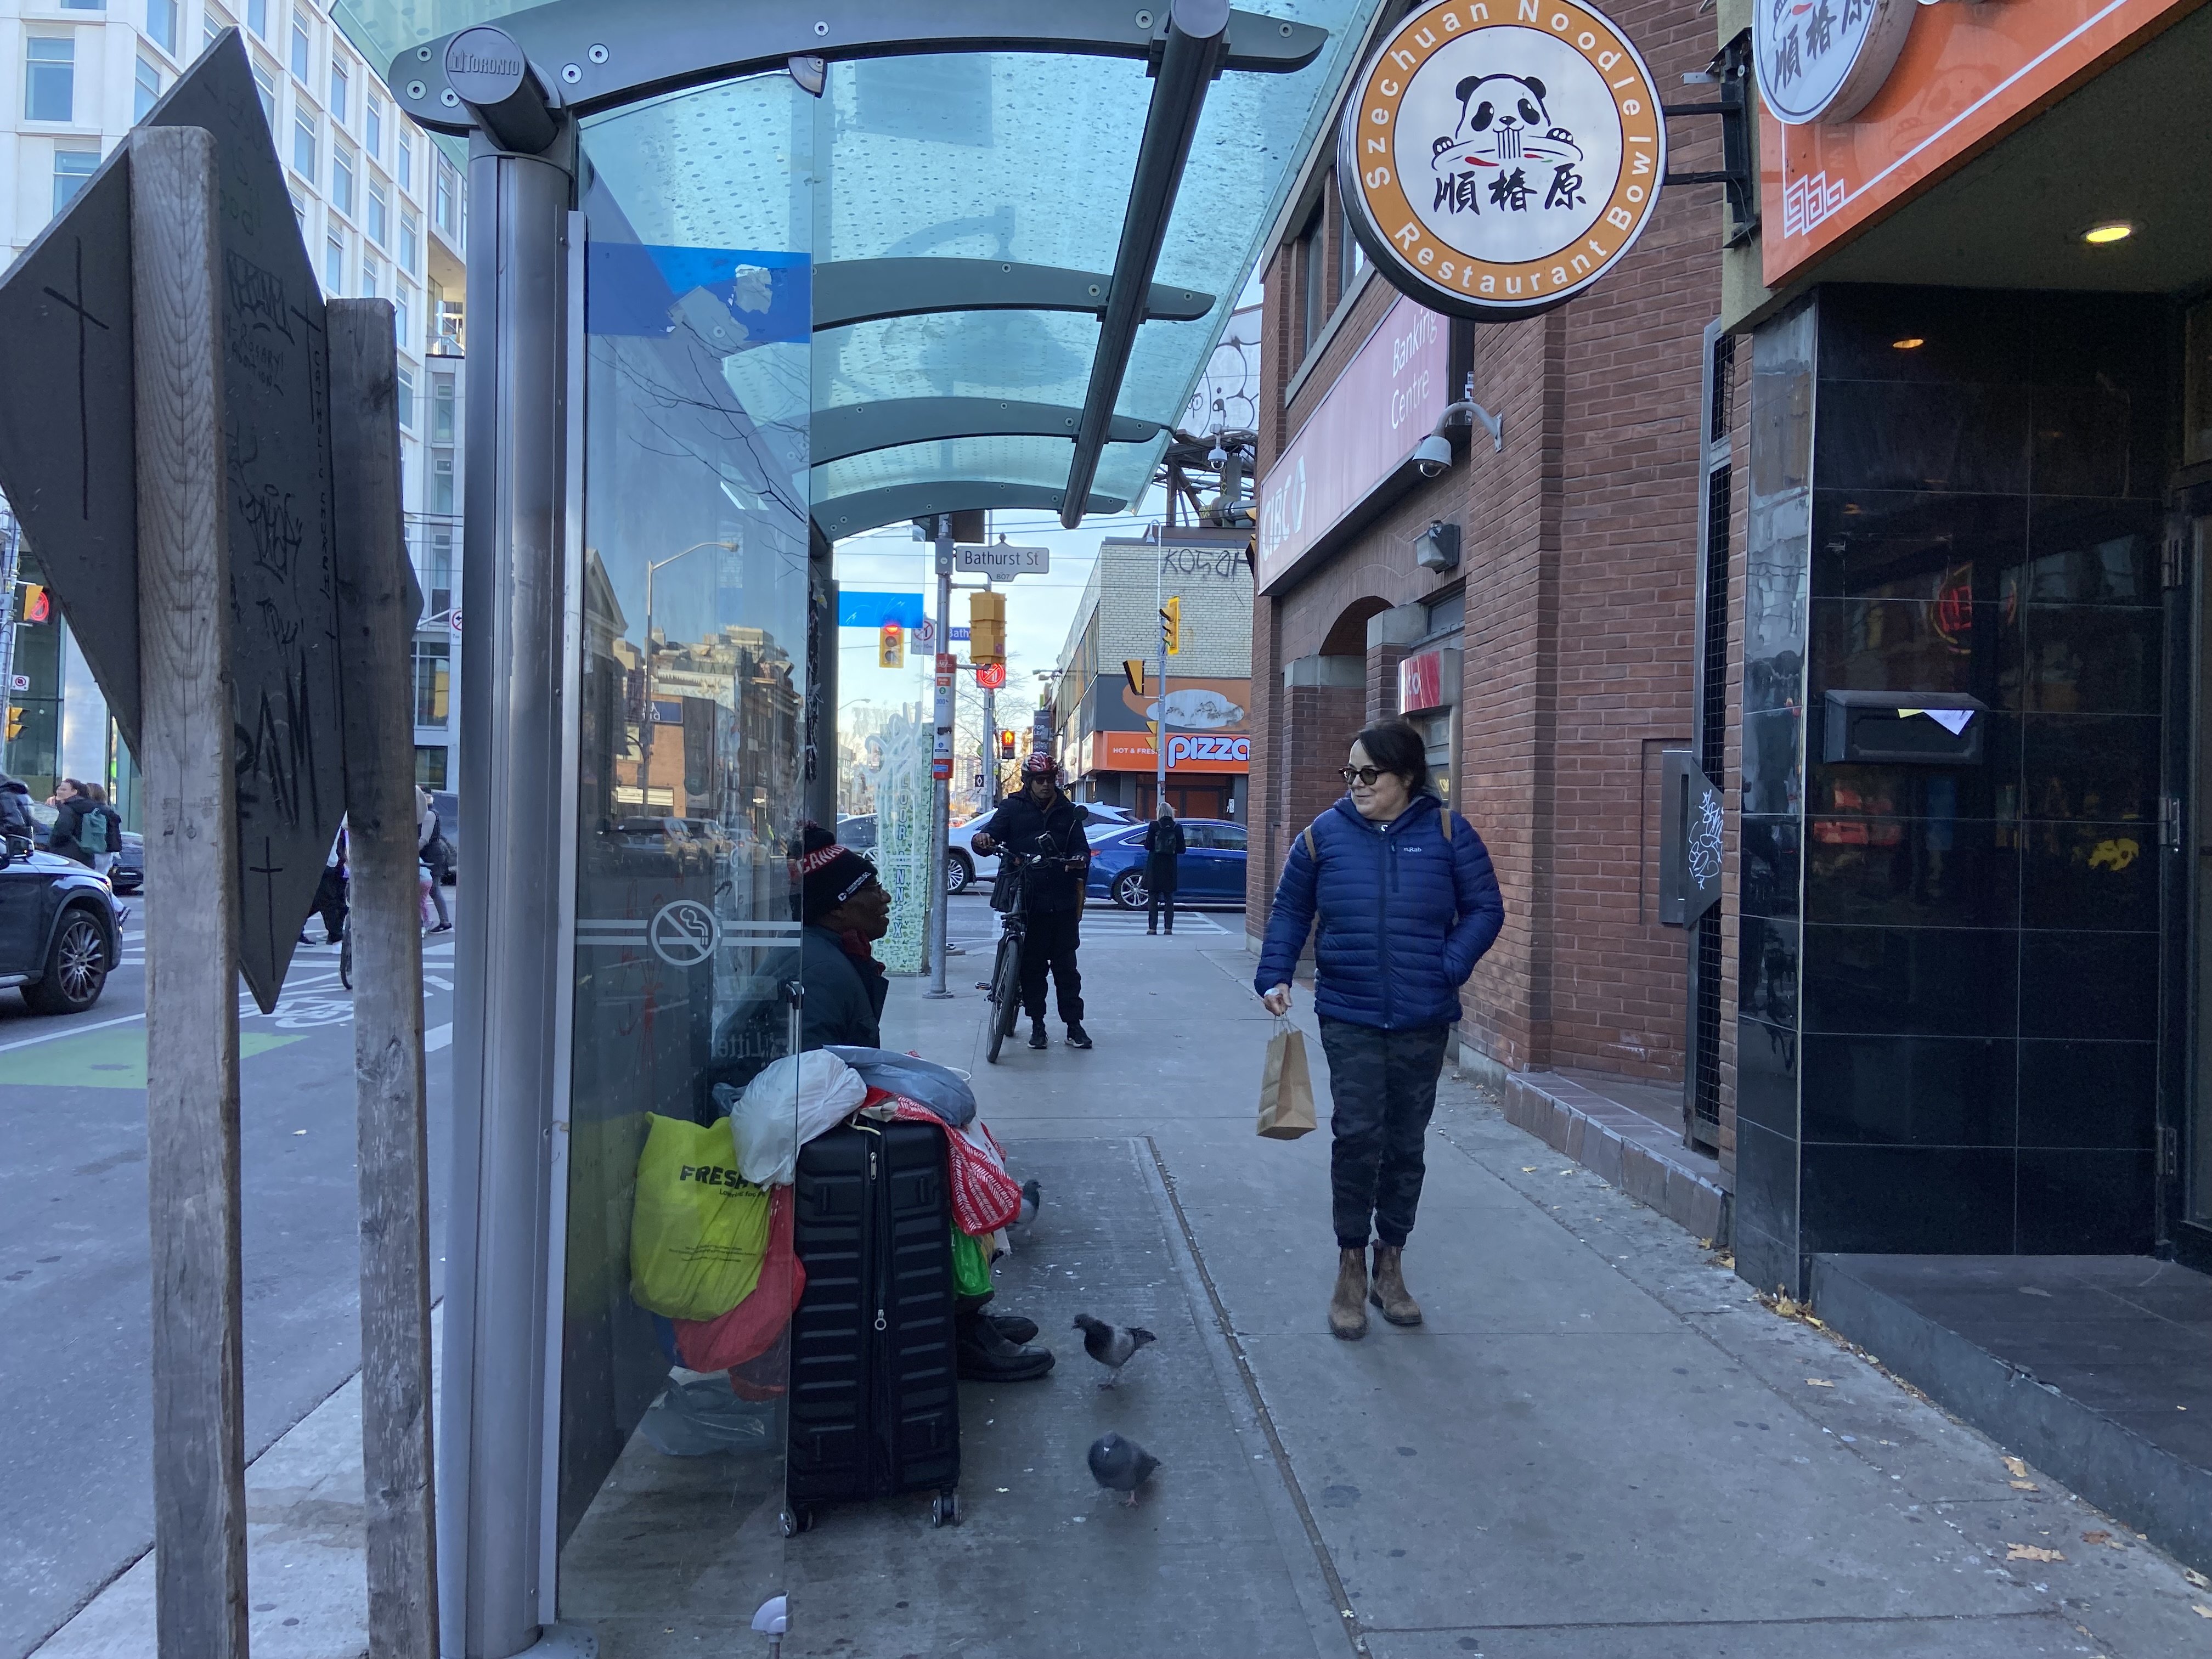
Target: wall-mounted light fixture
{"points": [[1436, 548], [1433, 455]]}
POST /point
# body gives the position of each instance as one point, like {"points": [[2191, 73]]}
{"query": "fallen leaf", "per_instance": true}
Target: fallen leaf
{"points": [[1817, 1382], [2025, 1485], [1528, 1169], [2193, 1576], [2200, 1610], [2031, 1552], [2104, 1538], [1816, 1324], [2017, 1467]]}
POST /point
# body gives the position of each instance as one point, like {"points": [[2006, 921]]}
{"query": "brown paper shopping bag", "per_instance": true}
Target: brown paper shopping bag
{"points": [[1286, 1102]]}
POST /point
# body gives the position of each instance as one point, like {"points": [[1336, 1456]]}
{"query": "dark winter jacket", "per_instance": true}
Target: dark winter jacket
{"points": [[1405, 911], [1164, 843], [15, 819], [1057, 832], [844, 994], [65, 837]]}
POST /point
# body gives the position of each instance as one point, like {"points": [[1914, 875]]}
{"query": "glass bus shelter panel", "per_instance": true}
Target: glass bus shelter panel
{"points": [[1021, 156], [693, 681], [1029, 356]]}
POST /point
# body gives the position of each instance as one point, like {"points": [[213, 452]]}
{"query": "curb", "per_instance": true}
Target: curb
{"points": [[1622, 1146]]}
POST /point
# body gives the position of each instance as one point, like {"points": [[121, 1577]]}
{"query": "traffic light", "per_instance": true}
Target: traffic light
{"points": [[1133, 669], [37, 604], [1006, 745], [891, 653], [986, 628], [1171, 625], [16, 724]]}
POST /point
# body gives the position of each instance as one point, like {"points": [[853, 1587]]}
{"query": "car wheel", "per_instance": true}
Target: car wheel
{"points": [[76, 968], [1129, 890], [957, 875]]}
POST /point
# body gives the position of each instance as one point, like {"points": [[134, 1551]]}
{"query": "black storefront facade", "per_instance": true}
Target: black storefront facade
{"points": [[1966, 490]]}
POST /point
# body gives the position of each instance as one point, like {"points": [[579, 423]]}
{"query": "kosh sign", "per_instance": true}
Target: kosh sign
{"points": [[1364, 431], [1495, 165]]}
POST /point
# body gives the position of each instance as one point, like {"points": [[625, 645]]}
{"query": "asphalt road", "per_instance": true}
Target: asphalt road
{"points": [[76, 1482]]}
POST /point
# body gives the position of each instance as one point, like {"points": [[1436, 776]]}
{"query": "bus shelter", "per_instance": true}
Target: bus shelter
{"points": [[745, 278]]}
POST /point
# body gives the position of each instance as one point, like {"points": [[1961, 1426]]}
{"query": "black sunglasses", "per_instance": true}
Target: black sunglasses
{"points": [[1363, 775]]}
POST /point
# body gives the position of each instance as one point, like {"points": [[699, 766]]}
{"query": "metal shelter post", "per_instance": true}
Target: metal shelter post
{"points": [[510, 958]]}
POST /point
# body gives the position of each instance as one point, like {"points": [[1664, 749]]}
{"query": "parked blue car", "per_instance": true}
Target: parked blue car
{"points": [[1210, 872]]}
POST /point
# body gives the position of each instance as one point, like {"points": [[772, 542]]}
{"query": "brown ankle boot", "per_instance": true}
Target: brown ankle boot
{"points": [[1389, 1292], [1348, 1310]]}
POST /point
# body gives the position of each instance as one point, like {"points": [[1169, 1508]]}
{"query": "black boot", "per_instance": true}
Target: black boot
{"points": [[1013, 1327], [986, 1355], [1077, 1036], [1037, 1038]]}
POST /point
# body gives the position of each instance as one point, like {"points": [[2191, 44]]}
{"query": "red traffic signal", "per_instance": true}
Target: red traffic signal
{"points": [[1006, 745], [37, 604]]}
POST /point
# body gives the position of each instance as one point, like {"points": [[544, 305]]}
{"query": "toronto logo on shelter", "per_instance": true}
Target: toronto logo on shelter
{"points": [[1499, 159]]}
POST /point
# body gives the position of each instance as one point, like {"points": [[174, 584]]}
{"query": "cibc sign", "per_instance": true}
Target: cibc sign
{"points": [[1496, 157], [1429, 679]]}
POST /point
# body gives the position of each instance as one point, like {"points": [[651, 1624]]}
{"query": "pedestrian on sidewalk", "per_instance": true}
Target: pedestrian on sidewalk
{"points": [[436, 853], [17, 823], [330, 900], [70, 809], [102, 831], [1408, 905], [1039, 819], [1163, 845]]}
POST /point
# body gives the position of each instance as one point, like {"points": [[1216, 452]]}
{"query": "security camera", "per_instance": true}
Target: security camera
{"points": [[1433, 456]]}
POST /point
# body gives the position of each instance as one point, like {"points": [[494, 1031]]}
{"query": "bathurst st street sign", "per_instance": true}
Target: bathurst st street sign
{"points": [[1500, 156]]}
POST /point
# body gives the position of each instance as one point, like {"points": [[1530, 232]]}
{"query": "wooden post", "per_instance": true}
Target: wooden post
{"points": [[375, 625], [191, 933]]}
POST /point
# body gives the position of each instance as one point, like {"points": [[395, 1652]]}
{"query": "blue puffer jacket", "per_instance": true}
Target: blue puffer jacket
{"points": [[1406, 912]]}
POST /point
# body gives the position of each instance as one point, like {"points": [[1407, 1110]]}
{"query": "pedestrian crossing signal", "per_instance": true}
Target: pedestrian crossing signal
{"points": [[15, 724], [1171, 625], [37, 604], [1006, 745], [1132, 670], [892, 652]]}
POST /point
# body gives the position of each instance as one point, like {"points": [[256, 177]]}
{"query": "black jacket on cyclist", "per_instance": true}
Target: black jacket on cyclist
{"points": [[1056, 831]]}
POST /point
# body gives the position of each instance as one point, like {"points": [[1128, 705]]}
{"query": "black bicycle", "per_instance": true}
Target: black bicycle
{"points": [[1010, 897]]}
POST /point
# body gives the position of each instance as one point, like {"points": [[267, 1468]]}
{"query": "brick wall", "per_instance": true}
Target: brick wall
{"points": [[1383, 662], [1578, 550]]}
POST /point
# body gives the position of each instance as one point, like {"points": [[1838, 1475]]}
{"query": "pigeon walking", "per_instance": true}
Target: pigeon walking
{"points": [[1032, 1196], [1121, 1465], [1111, 1346]]}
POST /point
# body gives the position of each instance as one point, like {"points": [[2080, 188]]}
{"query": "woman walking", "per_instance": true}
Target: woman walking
{"points": [[1163, 845], [1408, 905], [102, 833]]}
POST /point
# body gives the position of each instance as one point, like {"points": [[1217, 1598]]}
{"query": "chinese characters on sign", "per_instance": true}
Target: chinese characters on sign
{"points": [[1495, 166], [1824, 60]]}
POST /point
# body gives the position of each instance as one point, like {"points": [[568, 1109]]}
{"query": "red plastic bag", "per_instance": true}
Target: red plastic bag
{"points": [[752, 1327]]}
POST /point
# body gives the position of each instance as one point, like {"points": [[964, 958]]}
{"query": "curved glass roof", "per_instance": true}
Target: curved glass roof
{"points": [[1024, 158]]}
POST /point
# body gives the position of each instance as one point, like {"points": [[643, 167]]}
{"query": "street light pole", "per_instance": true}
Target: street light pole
{"points": [[940, 761], [645, 734]]}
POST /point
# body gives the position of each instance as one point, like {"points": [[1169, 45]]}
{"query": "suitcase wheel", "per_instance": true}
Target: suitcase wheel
{"points": [[944, 1510], [796, 1521]]}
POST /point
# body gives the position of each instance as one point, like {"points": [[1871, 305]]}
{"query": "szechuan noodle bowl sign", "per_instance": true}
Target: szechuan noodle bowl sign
{"points": [[1500, 156]]}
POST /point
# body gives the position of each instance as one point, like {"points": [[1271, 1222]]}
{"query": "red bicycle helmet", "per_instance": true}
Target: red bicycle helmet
{"points": [[1041, 765]]}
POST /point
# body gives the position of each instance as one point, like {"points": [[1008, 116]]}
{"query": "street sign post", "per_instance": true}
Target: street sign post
{"points": [[1001, 562]]}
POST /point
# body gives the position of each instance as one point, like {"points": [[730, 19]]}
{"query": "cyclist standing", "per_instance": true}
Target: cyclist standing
{"points": [[1039, 818]]}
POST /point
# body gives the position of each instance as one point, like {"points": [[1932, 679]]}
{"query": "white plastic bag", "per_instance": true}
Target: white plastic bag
{"points": [[791, 1101]]}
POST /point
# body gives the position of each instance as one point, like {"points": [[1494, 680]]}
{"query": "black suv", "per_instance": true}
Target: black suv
{"points": [[58, 929]]}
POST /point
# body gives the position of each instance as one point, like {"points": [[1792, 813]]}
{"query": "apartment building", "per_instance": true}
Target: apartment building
{"points": [[382, 211]]}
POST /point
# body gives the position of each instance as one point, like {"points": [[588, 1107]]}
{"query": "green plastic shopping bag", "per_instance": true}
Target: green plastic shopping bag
{"points": [[971, 1266], [698, 1232]]}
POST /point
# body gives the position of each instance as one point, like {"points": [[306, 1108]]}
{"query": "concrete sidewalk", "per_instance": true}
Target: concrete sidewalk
{"points": [[1601, 1445]]}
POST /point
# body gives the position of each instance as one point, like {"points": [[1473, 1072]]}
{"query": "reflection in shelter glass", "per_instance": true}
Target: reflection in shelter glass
{"points": [[694, 615]]}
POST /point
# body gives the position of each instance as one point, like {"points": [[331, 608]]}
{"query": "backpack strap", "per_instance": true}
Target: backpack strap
{"points": [[1307, 837], [1445, 813]]}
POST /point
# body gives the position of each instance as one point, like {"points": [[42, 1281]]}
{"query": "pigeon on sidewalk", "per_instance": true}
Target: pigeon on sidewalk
{"points": [[1111, 1346], [1032, 1196], [1121, 1465]]}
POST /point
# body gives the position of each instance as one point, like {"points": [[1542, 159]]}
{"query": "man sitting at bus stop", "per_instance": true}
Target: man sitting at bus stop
{"points": [[1038, 818]]}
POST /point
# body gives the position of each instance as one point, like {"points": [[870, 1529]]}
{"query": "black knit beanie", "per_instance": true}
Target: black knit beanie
{"points": [[824, 874]]}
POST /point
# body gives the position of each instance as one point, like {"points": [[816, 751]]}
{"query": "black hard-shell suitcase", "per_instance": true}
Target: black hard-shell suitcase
{"points": [[875, 1398]]}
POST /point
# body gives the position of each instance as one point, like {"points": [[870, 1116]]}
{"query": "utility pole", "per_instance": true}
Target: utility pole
{"points": [[990, 765], [1160, 726], [940, 764], [11, 557]]}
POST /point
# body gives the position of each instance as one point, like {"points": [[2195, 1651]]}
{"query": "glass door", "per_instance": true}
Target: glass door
{"points": [[695, 613]]}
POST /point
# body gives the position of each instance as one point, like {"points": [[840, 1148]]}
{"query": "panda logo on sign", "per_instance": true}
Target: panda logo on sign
{"points": [[1503, 134]]}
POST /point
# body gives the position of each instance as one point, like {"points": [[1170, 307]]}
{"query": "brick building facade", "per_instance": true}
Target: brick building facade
{"points": [[1572, 606]]}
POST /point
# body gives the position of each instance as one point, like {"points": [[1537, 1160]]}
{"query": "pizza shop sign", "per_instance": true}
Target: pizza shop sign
{"points": [[1495, 165]]}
